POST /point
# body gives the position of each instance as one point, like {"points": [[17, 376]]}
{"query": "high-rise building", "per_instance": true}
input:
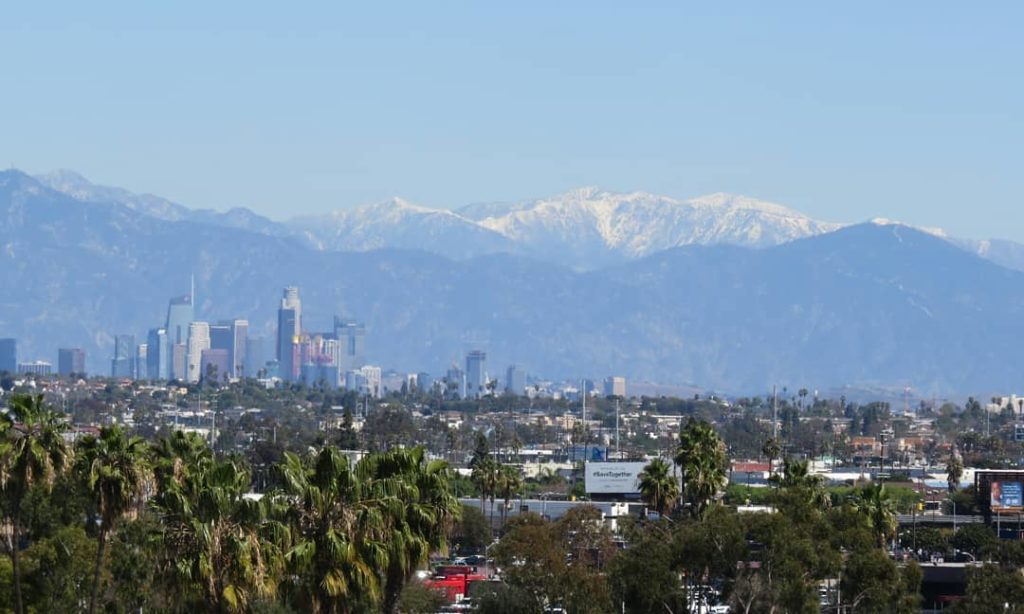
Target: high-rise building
{"points": [[239, 343], [141, 361], [231, 335], [476, 373], [614, 386], [352, 337], [71, 361], [123, 363], [255, 356], [424, 382], [455, 380], [180, 313], [179, 361], [198, 340], [9, 355], [158, 355], [515, 380], [365, 380], [289, 328], [215, 363]]}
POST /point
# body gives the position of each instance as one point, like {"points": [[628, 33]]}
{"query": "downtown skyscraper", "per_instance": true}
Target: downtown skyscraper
{"points": [[289, 331]]}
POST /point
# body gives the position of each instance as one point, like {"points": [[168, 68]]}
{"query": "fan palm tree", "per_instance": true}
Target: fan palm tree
{"points": [[337, 532], [173, 456], [510, 483], [659, 489], [114, 468], [487, 476], [701, 458], [420, 523], [218, 541], [358, 533], [878, 509], [33, 453], [796, 478]]}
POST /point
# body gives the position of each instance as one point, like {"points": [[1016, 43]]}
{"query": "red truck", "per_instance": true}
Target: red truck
{"points": [[454, 580]]}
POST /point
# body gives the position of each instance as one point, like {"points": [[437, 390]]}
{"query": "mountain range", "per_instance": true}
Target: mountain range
{"points": [[722, 292]]}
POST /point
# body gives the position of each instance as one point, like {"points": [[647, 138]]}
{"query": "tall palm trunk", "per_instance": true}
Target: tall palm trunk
{"points": [[96, 570], [18, 607]]}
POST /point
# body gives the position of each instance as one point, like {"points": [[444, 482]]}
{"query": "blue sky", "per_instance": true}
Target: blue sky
{"points": [[911, 110]]}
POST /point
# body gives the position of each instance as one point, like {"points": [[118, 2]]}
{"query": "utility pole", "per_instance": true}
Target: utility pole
{"points": [[775, 424], [586, 447], [618, 450]]}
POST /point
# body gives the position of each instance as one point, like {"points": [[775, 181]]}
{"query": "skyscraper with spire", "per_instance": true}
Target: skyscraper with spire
{"points": [[289, 329], [180, 314]]}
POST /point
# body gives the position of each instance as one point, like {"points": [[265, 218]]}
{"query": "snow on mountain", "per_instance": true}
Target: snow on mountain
{"points": [[397, 223], [591, 226], [583, 228]]}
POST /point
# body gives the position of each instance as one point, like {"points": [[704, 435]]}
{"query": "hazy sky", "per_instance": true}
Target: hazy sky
{"points": [[909, 110]]}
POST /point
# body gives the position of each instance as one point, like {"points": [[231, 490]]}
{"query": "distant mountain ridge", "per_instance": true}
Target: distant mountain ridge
{"points": [[871, 304], [585, 229]]}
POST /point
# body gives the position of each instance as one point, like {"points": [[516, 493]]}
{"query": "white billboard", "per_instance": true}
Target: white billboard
{"points": [[613, 478]]}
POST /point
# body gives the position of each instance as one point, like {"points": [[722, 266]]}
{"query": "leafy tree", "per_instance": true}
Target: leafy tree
{"points": [[132, 564], [659, 489], [347, 438], [701, 458], [58, 571], [114, 469], [534, 562], [992, 588], [417, 598], [978, 539], [472, 533], [707, 549], [872, 582], [33, 452], [643, 577]]}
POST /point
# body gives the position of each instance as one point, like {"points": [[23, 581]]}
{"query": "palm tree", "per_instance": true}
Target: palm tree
{"points": [[874, 503], [33, 453], [487, 477], [420, 522], [954, 470], [337, 532], [771, 449], [358, 533], [796, 478], [216, 540], [702, 459], [115, 472], [511, 482], [658, 487]]}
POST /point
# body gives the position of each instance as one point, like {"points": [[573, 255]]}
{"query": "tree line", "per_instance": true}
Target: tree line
{"points": [[169, 526]]}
